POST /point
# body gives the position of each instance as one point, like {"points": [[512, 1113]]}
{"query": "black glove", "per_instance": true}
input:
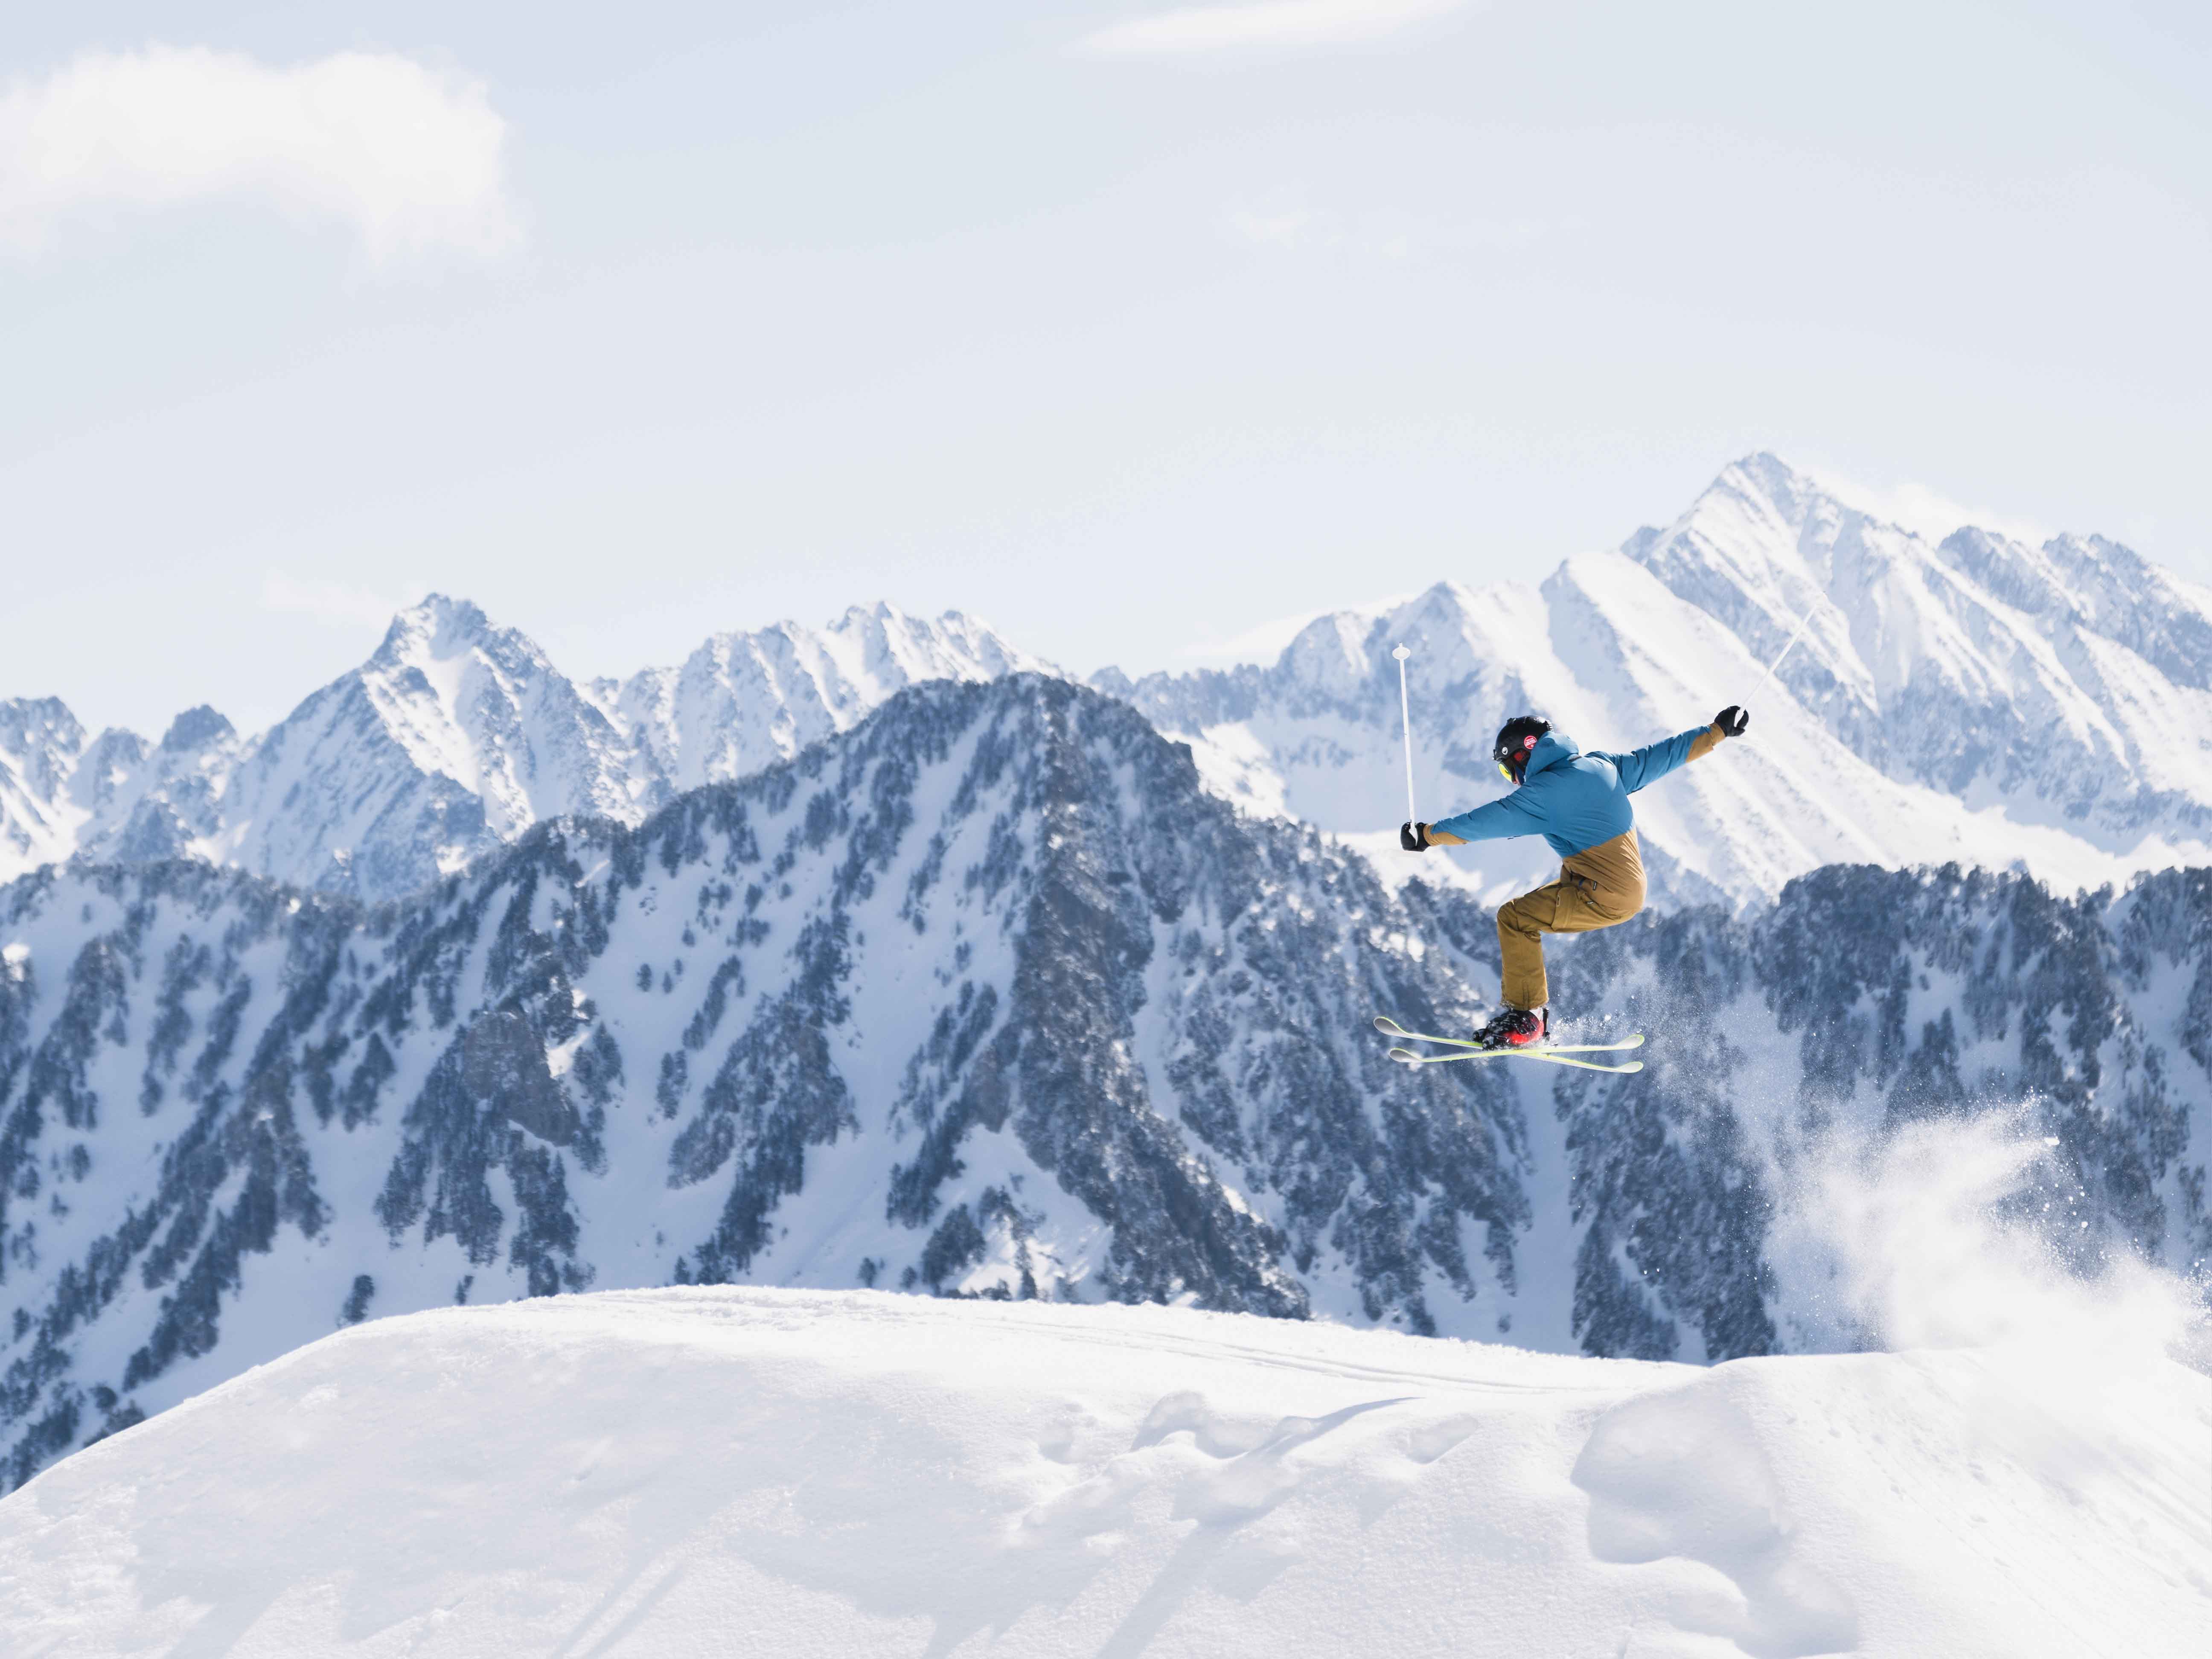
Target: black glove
{"points": [[1732, 722], [1413, 837]]}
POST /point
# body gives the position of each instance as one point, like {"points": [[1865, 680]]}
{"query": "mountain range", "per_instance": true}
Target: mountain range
{"points": [[1976, 700], [453, 739]]}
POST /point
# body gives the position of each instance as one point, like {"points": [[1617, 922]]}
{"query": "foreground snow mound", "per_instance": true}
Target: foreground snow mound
{"points": [[742, 1471]]}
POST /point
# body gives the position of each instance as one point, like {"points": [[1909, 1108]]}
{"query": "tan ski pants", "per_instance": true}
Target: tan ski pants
{"points": [[1595, 889]]}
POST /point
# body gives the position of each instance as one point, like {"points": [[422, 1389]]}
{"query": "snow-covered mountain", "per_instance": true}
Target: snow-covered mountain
{"points": [[2070, 684], [989, 996], [856, 1476], [980, 980], [1980, 701], [453, 738]]}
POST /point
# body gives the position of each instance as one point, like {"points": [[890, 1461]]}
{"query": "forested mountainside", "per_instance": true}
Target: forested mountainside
{"points": [[991, 997], [987, 996], [1865, 1002]]}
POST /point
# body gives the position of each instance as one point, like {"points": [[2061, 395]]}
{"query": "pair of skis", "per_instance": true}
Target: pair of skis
{"points": [[1556, 1054]]}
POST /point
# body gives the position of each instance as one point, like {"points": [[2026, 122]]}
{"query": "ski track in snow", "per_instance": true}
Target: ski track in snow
{"points": [[768, 1472]]}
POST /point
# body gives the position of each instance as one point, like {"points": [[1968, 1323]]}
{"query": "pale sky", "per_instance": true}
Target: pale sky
{"points": [[1128, 328]]}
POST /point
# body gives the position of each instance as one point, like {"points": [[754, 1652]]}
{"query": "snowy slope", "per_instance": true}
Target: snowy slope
{"points": [[754, 1472], [1981, 702], [453, 738]]}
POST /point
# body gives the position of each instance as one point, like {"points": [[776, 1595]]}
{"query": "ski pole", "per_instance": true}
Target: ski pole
{"points": [[1786, 649], [1406, 724]]}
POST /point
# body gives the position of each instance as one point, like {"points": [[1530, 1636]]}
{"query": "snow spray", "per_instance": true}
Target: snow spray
{"points": [[1965, 1232], [1406, 723]]}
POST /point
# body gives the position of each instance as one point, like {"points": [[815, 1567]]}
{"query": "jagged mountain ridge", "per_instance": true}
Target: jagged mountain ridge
{"points": [[1980, 701], [454, 737], [989, 996]]}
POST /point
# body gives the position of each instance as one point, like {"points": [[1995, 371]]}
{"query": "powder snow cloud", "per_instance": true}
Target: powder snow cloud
{"points": [[409, 157], [1266, 23]]}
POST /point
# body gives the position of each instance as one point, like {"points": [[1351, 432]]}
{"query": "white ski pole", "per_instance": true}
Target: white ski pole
{"points": [[1406, 724], [1786, 649]]}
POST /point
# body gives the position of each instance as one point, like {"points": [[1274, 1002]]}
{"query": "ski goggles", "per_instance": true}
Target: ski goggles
{"points": [[1506, 773]]}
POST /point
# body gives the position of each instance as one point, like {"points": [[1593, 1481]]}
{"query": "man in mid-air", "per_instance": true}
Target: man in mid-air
{"points": [[1579, 804]]}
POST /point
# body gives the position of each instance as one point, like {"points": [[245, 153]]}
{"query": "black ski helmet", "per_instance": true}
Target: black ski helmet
{"points": [[1514, 740]]}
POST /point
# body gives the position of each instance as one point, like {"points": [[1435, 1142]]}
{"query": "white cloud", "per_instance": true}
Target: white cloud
{"points": [[409, 156], [1265, 23], [333, 602]]}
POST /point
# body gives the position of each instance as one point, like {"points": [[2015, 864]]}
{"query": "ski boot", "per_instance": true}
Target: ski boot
{"points": [[1515, 1028]]}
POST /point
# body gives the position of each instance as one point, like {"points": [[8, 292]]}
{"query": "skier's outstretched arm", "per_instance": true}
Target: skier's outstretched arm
{"points": [[1510, 814], [1655, 761]]}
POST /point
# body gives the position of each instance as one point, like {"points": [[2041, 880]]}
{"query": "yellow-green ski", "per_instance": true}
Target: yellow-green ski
{"points": [[1551, 1056]]}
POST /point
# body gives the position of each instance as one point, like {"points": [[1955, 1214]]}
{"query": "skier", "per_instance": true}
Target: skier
{"points": [[1579, 804]]}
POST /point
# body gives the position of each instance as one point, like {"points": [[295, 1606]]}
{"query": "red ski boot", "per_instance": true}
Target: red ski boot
{"points": [[1515, 1028]]}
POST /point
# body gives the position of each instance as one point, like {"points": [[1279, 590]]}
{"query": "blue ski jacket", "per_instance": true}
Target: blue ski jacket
{"points": [[1575, 802]]}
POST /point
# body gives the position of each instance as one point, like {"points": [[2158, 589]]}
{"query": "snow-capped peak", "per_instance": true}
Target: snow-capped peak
{"points": [[743, 700], [197, 729], [2050, 680], [434, 628], [455, 736]]}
